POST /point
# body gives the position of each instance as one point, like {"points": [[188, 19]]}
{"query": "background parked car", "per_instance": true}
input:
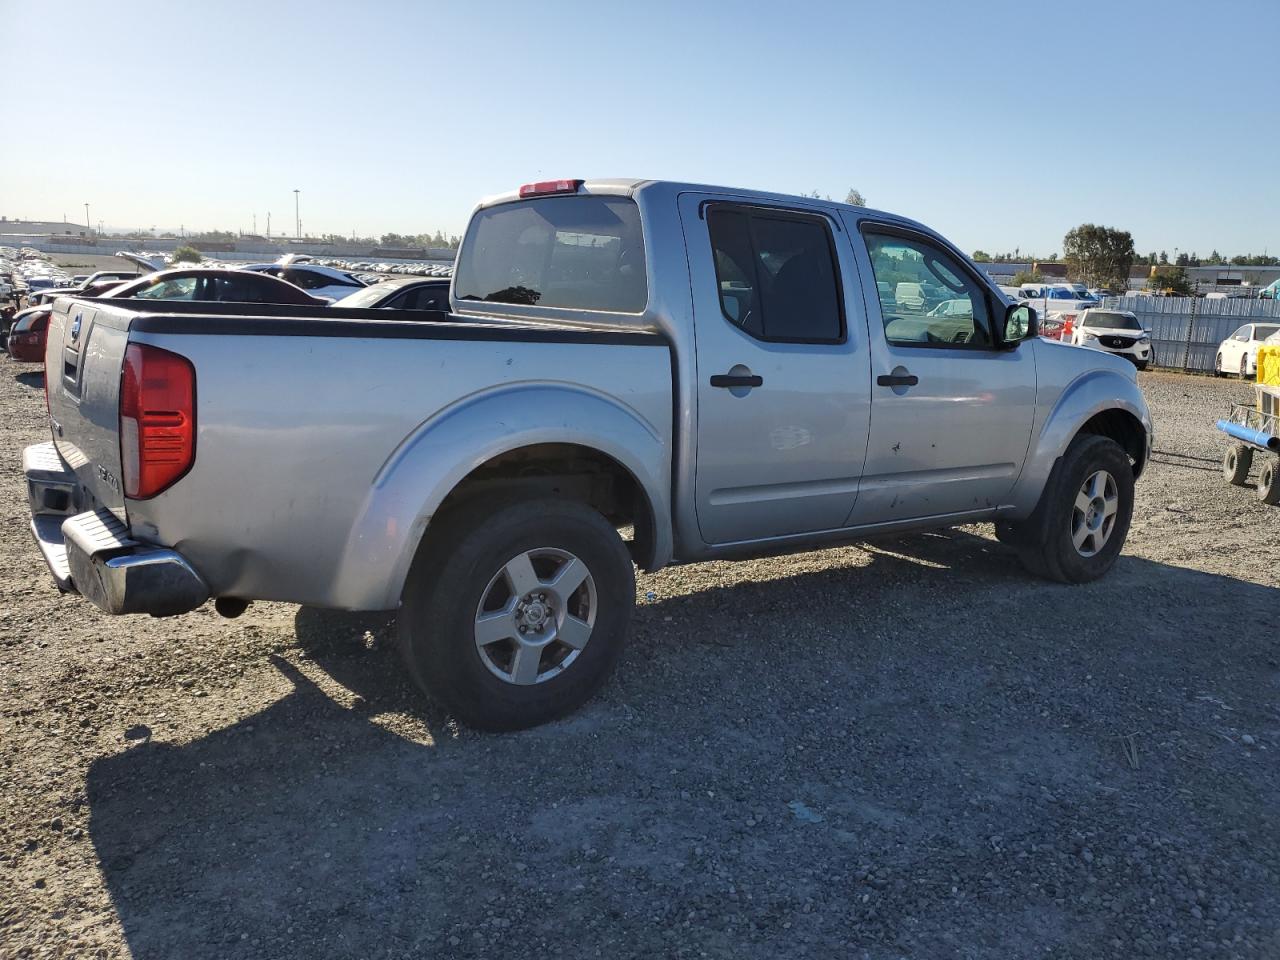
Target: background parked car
{"points": [[213, 284], [1114, 331], [25, 340], [410, 293], [1239, 352], [317, 280]]}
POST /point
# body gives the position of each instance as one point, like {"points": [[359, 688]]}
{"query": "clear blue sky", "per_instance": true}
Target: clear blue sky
{"points": [[1000, 124]]}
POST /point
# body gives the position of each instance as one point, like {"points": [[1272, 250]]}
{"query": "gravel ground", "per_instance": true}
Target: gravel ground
{"points": [[902, 749]]}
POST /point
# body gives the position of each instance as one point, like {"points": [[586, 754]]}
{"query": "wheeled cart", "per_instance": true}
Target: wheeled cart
{"points": [[1255, 429]]}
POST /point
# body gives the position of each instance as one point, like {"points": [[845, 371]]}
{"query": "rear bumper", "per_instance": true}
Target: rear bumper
{"points": [[91, 552]]}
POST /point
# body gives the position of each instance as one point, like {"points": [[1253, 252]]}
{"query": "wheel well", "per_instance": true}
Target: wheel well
{"points": [[1125, 429], [568, 470]]}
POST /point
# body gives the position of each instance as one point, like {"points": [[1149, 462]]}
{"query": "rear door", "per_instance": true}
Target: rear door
{"points": [[951, 415], [782, 368]]}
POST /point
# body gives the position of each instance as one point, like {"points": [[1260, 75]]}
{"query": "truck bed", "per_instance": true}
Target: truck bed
{"points": [[304, 417]]}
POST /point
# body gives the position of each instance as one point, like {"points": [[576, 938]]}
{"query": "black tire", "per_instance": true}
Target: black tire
{"points": [[1140, 364], [1235, 464], [452, 574], [1047, 549], [1244, 368], [1217, 366], [1268, 489]]}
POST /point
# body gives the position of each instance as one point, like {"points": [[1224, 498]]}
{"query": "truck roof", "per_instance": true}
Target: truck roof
{"points": [[631, 187]]}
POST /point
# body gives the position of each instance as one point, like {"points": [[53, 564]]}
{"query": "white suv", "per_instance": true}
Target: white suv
{"points": [[1115, 331], [1239, 352]]}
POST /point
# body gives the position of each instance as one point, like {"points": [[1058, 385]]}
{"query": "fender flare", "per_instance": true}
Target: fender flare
{"points": [[442, 451], [1091, 393]]}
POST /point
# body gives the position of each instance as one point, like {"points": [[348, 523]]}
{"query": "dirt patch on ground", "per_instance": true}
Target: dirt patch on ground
{"points": [[907, 748]]}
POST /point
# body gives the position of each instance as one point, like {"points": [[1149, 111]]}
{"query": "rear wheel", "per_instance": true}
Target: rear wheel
{"points": [[1269, 482], [1236, 462], [1083, 516], [1244, 368], [1217, 366], [515, 615]]}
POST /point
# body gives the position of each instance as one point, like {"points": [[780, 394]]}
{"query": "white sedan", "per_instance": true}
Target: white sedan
{"points": [[1239, 352], [317, 280]]}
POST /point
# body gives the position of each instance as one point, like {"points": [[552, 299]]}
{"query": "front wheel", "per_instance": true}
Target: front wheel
{"points": [[515, 615], [1083, 516], [1244, 368], [1140, 364]]}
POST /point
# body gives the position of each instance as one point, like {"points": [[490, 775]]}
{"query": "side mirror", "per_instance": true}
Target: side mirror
{"points": [[1019, 324]]}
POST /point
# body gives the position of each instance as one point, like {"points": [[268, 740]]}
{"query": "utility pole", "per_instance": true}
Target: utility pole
{"points": [[88, 224], [255, 224], [297, 217], [268, 224]]}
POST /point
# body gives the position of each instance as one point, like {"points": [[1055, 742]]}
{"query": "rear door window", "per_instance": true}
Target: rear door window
{"points": [[777, 274], [575, 252]]}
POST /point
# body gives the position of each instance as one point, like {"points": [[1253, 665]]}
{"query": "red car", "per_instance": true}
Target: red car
{"points": [[28, 333]]}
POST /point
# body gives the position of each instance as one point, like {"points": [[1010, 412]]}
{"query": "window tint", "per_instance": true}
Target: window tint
{"points": [[777, 275], [932, 300], [582, 252], [1263, 330]]}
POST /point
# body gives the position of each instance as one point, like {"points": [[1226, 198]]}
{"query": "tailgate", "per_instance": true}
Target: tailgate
{"points": [[83, 360]]}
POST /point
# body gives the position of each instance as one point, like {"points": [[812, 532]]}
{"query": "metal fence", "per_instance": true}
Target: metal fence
{"points": [[1185, 331]]}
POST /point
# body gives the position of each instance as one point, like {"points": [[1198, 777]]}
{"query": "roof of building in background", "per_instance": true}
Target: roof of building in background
{"points": [[49, 227]]}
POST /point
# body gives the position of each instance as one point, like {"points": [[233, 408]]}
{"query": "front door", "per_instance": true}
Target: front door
{"points": [[951, 415], [783, 370]]}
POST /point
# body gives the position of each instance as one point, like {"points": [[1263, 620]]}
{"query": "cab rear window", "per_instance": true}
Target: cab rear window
{"points": [[579, 252]]}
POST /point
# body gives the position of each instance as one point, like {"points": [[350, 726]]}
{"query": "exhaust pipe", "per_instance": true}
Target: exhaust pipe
{"points": [[230, 607]]}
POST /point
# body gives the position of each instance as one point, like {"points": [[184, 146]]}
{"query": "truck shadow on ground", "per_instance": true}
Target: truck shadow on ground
{"points": [[30, 378], [313, 829]]}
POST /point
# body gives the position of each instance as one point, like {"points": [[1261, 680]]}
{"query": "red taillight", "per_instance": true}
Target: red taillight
{"points": [[157, 419], [544, 188]]}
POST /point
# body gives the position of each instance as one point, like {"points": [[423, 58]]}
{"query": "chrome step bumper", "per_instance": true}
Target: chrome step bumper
{"points": [[91, 553]]}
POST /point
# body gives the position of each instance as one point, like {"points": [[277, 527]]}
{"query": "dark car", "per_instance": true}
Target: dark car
{"points": [[409, 293], [212, 284]]}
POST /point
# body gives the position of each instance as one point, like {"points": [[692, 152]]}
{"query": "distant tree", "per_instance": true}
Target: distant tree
{"points": [[855, 198], [1027, 276], [1183, 260], [1053, 257], [1098, 256], [1170, 279], [1164, 258], [187, 254], [1215, 258], [1152, 259], [981, 256]]}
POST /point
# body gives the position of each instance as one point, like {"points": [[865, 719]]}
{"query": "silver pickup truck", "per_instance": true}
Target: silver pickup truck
{"points": [[633, 373]]}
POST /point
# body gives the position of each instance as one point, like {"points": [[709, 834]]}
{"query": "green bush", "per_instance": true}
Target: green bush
{"points": [[187, 254]]}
